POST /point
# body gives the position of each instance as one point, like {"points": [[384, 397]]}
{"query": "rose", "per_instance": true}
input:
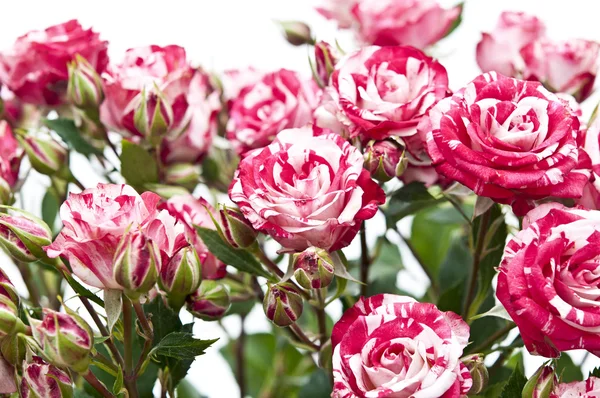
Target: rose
{"points": [[191, 212], [500, 49], [509, 140], [394, 346], [235, 80], [589, 140], [43, 380], [35, 68], [417, 23], [163, 71], [280, 100], [589, 388], [95, 222], [568, 67], [10, 161], [11, 107], [338, 10], [307, 188], [545, 278]]}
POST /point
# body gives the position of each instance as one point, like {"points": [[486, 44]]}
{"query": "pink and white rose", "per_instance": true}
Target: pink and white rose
{"points": [[190, 212], [509, 140], [547, 280], [568, 67], [187, 91], [393, 346], [307, 188], [42, 380], [339, 11], [35, 67], [11, 155], [417, 23], [500, 50], [589, 388], [278, 101]]}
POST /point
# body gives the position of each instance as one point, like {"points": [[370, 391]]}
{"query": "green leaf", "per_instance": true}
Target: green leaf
{"points": [[240, 259], [318, 386], [50, 207], [457, 21], [69, 133], [138, 167], [451, 299], [408, 200], [181, 346], [514, 385], [187, 390], [118, 382], [388, 262], [112, 304], [566, 370], [82, 291], [77, 393]]}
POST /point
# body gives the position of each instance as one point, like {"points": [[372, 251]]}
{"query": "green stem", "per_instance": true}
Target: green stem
{"points": [[303, 338], [321, 318], [98, 386], [365, 261], [494, 338], [240, 347], [106, 362], [130, 379], [116, 354], [148, 335], [34, 293], [477, 254]]}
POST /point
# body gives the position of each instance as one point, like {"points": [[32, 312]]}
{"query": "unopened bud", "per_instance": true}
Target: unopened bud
{"points": [[42, 380], [45, 155], [9, 317], [66, 339], [296, 33], [153, 116], [541, 384], [237, 231], [7, 288], [210, 302], [384, 160], [136, 264], [325, 59], [184, 174], [180, 276], [283, 304], [479, 372], [85, 86], [313, 268], [23, 235]]}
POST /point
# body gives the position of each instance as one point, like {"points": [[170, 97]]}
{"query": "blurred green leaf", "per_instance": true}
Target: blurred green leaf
{"points": [[318, 386], [180, 345], [187, 390], [566, 370], [514, 385], [50, 207], [66, 129], [408, 200], [138, 167]]}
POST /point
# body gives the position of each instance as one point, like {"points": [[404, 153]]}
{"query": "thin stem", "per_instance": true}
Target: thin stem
{"points": [[128, 344], [148, 335], [321, 319], [78, 183], [365, 261], [413, 251], [490, 341], [116, 354], [99, 357], [260, 295], [240, 346], [303, 338], [34, 293], [268, 263], [98, 386], [483, 226]]}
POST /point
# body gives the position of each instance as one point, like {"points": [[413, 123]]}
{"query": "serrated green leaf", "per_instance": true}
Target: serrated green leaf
{"points": [[566, 370], [239, 259], [67, 130], [138, 167], [407, 200], [181, 346], [514, 385]]}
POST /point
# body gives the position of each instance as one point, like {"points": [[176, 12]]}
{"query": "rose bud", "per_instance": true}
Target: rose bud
{"points": [[181, 276], [479, 372], [9, 317], [186, 175], [325, 59], [23, 235], [46, 156], [85, 87], [237, 231], [66, 339], [313, 268], [7, 289], [136, 264], [385, 160], [283, 304], [42, 380], [153, 116], [541, 384], [210, 302], [296, 33]]}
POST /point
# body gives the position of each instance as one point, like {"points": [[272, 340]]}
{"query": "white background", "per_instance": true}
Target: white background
{"points": [[224, 34]]}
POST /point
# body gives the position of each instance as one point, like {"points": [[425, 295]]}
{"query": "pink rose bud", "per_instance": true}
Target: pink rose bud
{"points": [[238, 231], [296, 33], [541, 384], [7, 289], [9, 317], [85, 87], [325, 59], [210, 302], [46, 155], [283, 304], [313, 268], [23, 235], [385, 160], [136, 264], [186, 175], [181, 276], [153, 116], [479, 372], [42, 380], [66, 339]]}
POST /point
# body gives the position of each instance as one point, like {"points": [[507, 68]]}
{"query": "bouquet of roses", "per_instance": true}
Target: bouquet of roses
{"points": [[171, 190]]}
